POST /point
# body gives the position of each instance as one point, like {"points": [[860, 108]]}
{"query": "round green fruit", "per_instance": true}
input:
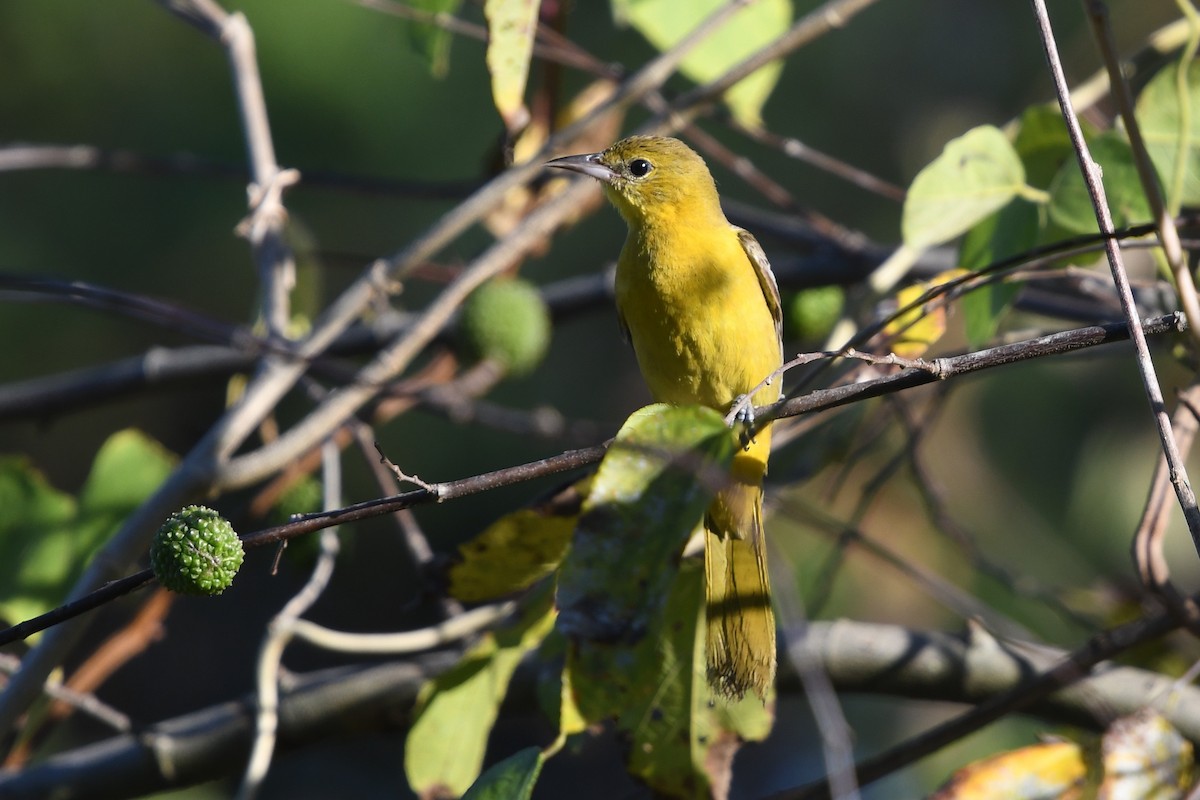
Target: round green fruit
{"points": [[507, 321], [196, 551], [812, 313]]}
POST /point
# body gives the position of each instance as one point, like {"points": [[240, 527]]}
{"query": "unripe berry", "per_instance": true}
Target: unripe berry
{"points": [[812, 313], [196, 551], [507, 321]]}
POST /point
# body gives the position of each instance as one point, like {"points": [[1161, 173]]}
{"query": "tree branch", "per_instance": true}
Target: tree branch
{"points": [[1095, 186], [859, 657]]}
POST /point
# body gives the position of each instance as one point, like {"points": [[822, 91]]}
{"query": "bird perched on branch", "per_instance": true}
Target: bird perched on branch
{"points": [[697, 299]]}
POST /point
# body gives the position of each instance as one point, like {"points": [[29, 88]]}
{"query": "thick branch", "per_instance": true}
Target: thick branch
{"points": [[859, 657]]}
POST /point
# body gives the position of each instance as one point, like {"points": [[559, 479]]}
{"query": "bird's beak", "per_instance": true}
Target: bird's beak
{"points": [[587, 164]]}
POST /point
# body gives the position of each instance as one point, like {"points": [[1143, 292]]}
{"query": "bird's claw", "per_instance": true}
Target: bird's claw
{"points": [[745, 418]]}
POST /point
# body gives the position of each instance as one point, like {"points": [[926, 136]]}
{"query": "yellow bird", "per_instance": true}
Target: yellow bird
{"points": [[697, 298]]}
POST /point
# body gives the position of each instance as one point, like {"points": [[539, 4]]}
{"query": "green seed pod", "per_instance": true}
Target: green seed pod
{"points": [[812, 313], [196, 551], [507, 321]]}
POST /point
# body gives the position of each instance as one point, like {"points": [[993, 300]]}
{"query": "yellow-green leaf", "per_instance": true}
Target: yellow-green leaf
{"points": [[455, 712], [977, 174], [517, 550], [1160, 113], [1039, 772], [665, 22], [649, 494], [511, 28], [915, 331]]}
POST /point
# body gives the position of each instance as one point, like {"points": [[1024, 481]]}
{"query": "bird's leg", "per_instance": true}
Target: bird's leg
{"points": [[743, 415]]}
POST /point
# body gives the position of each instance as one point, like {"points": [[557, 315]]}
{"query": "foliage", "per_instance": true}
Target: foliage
{"points": [[1013, 511], [47, 536]]}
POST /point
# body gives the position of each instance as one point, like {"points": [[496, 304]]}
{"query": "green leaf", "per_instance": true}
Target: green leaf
{"points": [[639, 514], [976, 175], [511, 779], [455, 712], [665, 22], [1160, 113], [36, 548], [1011, 230], [682, 738], [511, 28], [1043, 143], [1070, 203], [128, 468], [432, 41], [47, 538]]}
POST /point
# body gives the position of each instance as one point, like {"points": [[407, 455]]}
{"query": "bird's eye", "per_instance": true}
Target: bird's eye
{"points": [[639, 167]]}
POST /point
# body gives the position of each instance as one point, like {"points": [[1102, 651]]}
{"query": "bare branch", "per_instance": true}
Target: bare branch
{"points": [[1095, 185]]}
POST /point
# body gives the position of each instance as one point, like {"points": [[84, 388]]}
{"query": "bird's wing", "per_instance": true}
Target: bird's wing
{"points": [[766, 278], [624, 327]]}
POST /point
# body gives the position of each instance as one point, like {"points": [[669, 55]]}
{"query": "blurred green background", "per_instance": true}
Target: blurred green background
{"points": [[1051, 457]]}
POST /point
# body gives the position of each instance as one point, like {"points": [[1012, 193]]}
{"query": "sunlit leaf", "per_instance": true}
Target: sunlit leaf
{"points": [[1160, 116], [918, 329], [511, 28], [1051, 771], [511, 779], [1071, 205], [976, 175], [665, 22], [455, 712], [1145, 757], [649, 494], [47, 537]]}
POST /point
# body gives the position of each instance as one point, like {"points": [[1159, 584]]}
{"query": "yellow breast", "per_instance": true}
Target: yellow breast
{"points": [[695, 311]]}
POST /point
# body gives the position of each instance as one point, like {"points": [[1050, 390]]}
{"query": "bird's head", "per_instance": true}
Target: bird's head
{"points": [[649, 178]]}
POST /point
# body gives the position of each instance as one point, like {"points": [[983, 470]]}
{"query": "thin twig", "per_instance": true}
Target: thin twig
{"points": [[458, 627], [74, 699], [1168, 234], [1147, 546], [836, 735], [282, 628], [1092, 177]]}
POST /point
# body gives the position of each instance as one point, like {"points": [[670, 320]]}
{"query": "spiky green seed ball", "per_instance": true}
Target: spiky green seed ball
{"points": [[196, 551], [812, 313], [507, 321]]}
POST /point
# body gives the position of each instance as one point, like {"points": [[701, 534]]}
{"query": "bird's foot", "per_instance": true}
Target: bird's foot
{"points": [[744, 417]]}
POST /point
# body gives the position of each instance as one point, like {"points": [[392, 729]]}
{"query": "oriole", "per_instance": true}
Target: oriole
{"points": [[699, 303]]}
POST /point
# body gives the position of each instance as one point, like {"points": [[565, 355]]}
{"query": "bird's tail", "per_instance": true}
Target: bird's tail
{"points": [[740, 622]]}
